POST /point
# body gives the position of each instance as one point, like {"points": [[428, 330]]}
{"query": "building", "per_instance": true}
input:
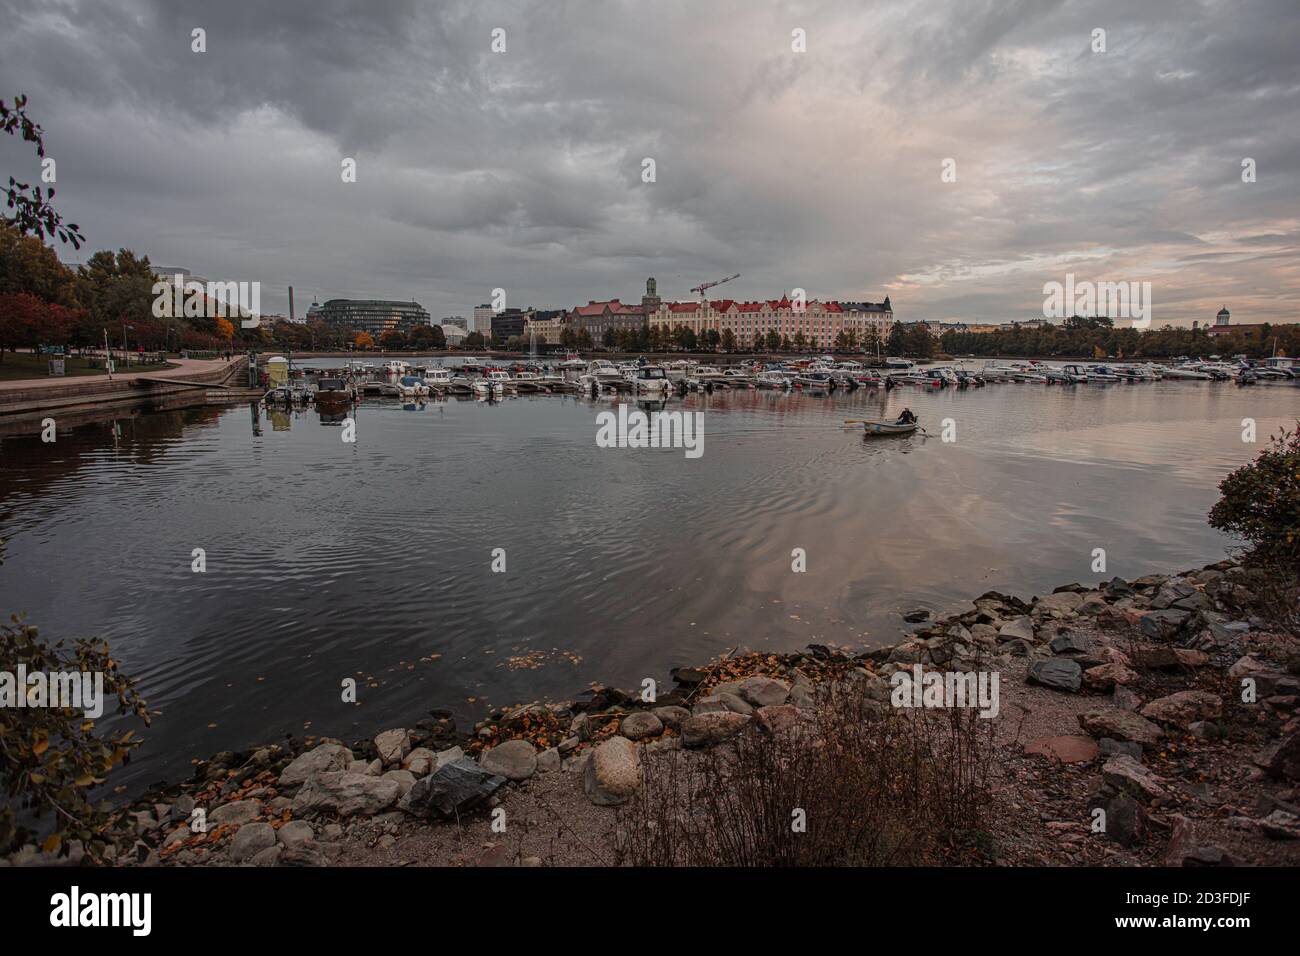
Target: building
{"points": [[650, 302], [548, 325], [483, 320], [1223, 325], [509, 323], [597, 318], [458, 320], [820, 323], [454, 334], [375, 316]]}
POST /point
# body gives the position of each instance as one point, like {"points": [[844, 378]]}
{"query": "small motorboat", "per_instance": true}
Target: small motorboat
{"points": [[334, 391], [895, 426]]}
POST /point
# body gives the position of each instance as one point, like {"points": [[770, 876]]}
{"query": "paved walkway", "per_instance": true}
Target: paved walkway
{"points": [[184, 367]]}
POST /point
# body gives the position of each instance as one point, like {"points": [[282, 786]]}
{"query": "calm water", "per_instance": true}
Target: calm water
{"points": [[373, 560]]}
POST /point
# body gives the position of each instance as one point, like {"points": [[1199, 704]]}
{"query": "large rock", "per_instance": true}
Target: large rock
{"points": [[764, 691], [252, 838], [393, 745], [1069, 748], [1183, 708], [346, 794], [237, 812], [1122, 725], [1017, 629], [404, 778], [322, 759], [420, 762], [640, 724], [1172, 591], [706, 730], [514, 760], [1061, 603], [1284, 762], [672, 716], [295, 832], [613, 773], [1058, 673], [1163, 625], [1127, 775], [735, 703], [453, 789], [778, 718], [1104, 677]]}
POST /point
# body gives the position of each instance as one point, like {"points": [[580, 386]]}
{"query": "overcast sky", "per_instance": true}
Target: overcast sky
{"points": [[819, 169]]}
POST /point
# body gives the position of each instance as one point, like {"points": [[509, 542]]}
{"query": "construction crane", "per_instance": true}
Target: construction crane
{"points": [[709, 285]]}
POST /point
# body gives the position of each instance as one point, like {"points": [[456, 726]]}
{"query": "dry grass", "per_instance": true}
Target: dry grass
{"points": [[877, 786]]}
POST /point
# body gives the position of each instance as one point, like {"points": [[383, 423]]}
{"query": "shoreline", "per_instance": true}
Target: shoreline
{"points": [[1119, 693]]}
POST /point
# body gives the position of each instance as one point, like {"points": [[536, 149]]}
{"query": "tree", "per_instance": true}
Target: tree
{"points": [[225, 330], [29, 265], [474, 340], [363, 341], [773, 340], [50, 757], [116, 288], [728, 341], [28, 321], [34, 212], [392, 340], [1261, 502]]}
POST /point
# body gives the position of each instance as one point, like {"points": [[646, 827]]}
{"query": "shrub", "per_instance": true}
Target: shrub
{"points": [[50, 757], [878, 786], [1261, 502]]}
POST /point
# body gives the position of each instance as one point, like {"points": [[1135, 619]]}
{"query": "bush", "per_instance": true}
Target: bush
{"points": [[1260, 503], [878, 786], [50, 757]]}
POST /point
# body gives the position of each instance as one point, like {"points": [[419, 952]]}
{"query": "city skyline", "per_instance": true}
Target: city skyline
{"points": [[822, 169]]}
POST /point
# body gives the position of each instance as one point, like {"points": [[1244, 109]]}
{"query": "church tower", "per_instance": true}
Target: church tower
{"points": [[650, 301]]}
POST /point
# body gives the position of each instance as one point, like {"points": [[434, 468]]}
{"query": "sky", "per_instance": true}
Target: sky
{"points": [[820, 168]]}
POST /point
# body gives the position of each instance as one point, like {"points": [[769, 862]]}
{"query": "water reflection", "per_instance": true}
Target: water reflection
{"points": [[371, 559]]}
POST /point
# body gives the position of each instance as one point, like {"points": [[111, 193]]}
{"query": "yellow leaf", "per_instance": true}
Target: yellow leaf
{"points": [[51, 843], [85, 780], [40, 742]]}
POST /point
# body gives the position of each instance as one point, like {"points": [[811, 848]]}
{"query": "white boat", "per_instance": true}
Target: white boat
{"points": [[895, 362], [1101, 374], [706, 376], [528, 382], [773, 379], [495, 382], [1067, 374], [397, 367], [408, 386], [1184, 372], [1281, 363], [651, 380], [438, 379]]}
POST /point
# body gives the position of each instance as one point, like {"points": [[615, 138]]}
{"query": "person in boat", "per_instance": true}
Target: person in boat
{"points": [[906, 418]]}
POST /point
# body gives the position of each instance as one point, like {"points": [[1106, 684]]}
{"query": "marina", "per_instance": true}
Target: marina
{"points": [[425, 379]]}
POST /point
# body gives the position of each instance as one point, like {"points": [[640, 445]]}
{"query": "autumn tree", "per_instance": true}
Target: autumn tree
{"points": [[51, 757], [363, 340]]}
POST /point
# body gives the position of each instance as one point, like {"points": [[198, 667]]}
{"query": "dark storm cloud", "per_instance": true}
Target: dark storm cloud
{"points": [[819, 170]]}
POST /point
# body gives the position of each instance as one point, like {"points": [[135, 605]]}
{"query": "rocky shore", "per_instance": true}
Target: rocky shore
{"points": [[1160, 708]]}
